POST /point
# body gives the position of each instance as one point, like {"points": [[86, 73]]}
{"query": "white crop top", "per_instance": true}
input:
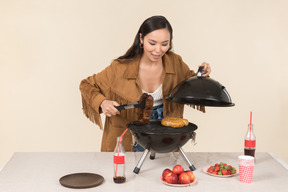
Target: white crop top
{"points": [[157, 96]]}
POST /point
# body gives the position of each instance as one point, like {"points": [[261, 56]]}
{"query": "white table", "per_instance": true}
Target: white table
{"points": [[40, 172]]}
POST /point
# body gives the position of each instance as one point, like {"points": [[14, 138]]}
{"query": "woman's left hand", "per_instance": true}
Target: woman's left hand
{"points": [[206, 70]]}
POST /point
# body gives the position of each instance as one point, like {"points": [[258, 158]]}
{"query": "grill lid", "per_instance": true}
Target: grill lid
{"points": [[202, 91]]}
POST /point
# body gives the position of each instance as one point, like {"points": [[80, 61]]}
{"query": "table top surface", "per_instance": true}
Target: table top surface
{"points": [[42, 171]]}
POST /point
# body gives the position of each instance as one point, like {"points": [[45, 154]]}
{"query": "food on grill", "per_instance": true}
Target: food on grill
{"points": [[144, 114], [174, 122]]}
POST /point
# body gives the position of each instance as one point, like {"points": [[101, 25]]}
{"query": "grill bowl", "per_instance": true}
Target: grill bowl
{"points": [[159, 138]]}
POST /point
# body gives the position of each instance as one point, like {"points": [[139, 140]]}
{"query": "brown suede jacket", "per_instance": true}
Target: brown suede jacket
{"points": [[120, 82]]}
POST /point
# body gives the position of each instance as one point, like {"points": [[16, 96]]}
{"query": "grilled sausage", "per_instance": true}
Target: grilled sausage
{"points": [[144, 114], [142, 100], [147, 110]]}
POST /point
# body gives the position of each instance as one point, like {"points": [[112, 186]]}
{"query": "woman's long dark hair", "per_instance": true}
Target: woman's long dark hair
{"points": [[151, 24]]}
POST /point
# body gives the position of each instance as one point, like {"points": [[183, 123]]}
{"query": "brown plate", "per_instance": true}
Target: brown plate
{"points": [[81, 180]]}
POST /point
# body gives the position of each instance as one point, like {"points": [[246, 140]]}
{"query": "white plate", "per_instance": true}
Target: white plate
{"points": [[206, 168], [179, 185]]}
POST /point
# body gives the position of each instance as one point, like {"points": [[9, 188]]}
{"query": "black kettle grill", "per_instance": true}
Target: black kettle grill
{"points": [[161, 139], [197, 90]]}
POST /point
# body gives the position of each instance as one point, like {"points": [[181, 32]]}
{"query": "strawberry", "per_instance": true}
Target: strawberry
{"points": [[217, 169], [210, 169], [221, 169], [224, 171]]}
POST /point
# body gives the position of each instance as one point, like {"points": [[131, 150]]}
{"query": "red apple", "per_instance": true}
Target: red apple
{"points": [[178, 169], [165, 172], [171, 178], [184, 178], [191, 174]]}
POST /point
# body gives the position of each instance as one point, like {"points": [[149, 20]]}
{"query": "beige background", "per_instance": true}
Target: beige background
{"points": [[48, 47]]}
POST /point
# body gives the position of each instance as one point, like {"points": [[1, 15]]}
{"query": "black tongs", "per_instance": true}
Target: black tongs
{"points": [[130, 106]]}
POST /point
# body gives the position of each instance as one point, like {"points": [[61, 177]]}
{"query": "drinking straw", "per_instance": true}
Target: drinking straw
{"points": [[250, 124], [119, 149]]}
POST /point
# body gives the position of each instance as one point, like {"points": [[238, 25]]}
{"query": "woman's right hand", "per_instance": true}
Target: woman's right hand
{"points": [[108, 108]]}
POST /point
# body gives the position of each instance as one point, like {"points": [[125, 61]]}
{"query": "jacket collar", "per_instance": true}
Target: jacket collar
{"points": [[133, 67]]}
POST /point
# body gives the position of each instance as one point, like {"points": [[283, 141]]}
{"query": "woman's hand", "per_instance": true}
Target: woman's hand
{"points": [[108, 108], [206, 70]]}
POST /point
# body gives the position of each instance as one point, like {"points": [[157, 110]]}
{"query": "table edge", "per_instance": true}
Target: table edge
{"points": [[283, 163]]}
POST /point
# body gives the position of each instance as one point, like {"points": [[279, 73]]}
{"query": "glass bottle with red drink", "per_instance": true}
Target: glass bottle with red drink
{"points": [[250, 141], [119, 162]]}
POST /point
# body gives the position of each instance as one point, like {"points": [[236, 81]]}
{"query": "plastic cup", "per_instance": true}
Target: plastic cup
{"points": [[246, 166]]}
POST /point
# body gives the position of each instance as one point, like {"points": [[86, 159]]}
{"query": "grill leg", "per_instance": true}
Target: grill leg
{"points": [[152, 155], [137, 168], [191, 167]]}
